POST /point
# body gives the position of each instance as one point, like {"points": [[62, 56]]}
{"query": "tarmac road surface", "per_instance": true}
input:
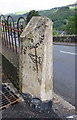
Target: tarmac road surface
{"points": [[64, 64]]}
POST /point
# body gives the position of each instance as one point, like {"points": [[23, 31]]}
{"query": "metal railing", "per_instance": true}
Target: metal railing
{"points": [[11, 31]]}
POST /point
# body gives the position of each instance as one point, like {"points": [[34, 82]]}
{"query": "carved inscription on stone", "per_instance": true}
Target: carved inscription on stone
{"points": [[35, 38], [34, 58], [31, 46]]}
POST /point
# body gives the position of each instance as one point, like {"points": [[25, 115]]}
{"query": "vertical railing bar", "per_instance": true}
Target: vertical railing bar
{"points": [[15, 41], [2, 33], [9, 37], [6, 34], [18, 32], [18, 28], [12, 38]]}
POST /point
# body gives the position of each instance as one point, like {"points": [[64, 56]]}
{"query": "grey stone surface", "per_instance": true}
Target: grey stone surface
{"points": [[9, 54], [36, 72], [22, 110]]}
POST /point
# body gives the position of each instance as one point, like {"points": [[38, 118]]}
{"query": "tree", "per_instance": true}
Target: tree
{"points": [[31, 14], [55, 33], [71, 28]]}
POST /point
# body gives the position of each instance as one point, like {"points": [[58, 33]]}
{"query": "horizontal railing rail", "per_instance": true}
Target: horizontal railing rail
{"points": [[10, 27]]}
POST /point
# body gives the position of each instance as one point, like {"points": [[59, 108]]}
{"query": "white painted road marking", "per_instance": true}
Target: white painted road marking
{"points": [[68, 53]]}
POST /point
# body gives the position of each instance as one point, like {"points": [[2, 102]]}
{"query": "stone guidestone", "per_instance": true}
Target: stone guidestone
{"points": [[36, 60], [36, 103]]}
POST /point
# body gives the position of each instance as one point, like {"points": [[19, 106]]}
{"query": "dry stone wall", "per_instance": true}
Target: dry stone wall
{"points": [[65, 38]]}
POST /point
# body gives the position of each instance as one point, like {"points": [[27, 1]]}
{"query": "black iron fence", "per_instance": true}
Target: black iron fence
{"points": [[11, 31]]}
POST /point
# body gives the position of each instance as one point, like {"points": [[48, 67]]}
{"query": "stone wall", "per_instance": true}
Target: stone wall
{"points": [[10, 63], [67, 38], [11, 70]]}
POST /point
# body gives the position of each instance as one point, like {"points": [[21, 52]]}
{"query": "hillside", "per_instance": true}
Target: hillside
{"points": [[59, 15]]}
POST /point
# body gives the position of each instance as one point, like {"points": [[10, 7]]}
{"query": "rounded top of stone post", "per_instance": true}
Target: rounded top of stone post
{"points": [[36, 31], [37, 23]]}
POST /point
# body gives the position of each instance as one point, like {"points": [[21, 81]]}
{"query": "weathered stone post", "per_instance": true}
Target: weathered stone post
{"points": [[36, 69]]}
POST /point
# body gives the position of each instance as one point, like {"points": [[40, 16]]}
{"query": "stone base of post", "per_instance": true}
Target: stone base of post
{"points": [[36, 103]]}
